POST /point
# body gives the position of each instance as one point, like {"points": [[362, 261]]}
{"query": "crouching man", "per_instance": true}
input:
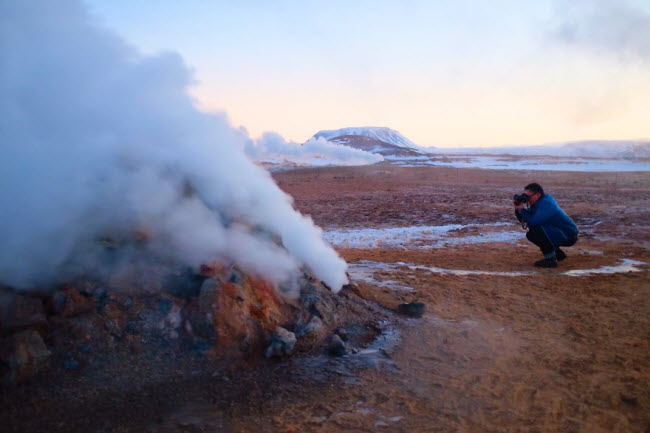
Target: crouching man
{"points": [[549, 227]]}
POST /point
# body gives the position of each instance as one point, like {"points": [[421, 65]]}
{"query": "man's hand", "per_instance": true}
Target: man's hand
{"points": [[519, 206]]}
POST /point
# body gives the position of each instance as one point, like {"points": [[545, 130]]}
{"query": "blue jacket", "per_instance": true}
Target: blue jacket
{"points": [[557, 225]]}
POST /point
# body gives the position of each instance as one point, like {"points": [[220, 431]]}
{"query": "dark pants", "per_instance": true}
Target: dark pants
{"points": [[537, 236]]}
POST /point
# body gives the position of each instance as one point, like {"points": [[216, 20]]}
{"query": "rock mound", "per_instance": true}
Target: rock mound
{"points": [[220, 313]]}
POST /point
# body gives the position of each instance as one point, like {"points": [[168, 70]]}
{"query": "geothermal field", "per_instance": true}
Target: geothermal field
{"points": [[163, 269], [502, 346]]}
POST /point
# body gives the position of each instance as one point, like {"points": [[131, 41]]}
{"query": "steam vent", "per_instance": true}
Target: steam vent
{"points": [[86, 336]]}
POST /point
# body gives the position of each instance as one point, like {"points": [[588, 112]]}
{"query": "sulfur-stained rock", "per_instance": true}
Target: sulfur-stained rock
{"points": [[24, 355], [68, 302], [236, 316]]}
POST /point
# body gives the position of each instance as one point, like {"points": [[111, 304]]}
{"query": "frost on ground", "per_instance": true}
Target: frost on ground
{"points": [[379, 273], [372, 273], [419, 236], [625, 266]]}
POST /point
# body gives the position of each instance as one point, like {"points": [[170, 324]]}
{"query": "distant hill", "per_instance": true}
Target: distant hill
{"points": [[616, 149], [382, 140], [607, 149]]}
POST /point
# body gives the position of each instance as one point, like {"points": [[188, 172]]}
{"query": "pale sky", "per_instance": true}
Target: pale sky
{"points": [[447, 74]]}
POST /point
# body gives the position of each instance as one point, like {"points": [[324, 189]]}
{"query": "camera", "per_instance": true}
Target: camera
{"points": [[521, 198]]}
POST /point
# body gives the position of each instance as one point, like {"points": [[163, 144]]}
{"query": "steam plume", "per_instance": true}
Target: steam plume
{"points": [[99, 140], [316, 151]]}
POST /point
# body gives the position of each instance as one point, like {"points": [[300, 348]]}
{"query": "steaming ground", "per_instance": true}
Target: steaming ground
{"points": [[102, 145], [503, 346], [103, 150]]}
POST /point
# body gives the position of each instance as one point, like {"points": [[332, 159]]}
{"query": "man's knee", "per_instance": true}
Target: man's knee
{"points": [[534, 233]]}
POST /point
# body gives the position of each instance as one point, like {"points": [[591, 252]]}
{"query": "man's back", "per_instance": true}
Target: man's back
{"points": [[546, 212]]}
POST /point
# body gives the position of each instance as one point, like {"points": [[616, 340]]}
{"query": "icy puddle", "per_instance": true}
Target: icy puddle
{"points": [[419, 236], [378, 273], [375, 355]]}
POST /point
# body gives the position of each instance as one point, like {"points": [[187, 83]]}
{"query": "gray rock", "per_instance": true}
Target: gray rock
{"points": [[199, 313], [411, 309], [100, 293], [185, 284], [19, 311], [282, 343], [25, 354], [318, 303], [343, 333], [336, 346], [236, 276], [314, 330]]}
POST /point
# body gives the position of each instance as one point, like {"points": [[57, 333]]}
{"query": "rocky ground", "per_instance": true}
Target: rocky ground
{"points": [[501, 347]]}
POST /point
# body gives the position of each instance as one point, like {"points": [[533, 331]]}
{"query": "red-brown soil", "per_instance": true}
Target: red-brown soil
{"points": [[544, 353], [540, 353]]}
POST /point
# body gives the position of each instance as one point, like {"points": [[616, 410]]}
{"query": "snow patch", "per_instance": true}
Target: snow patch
{"points": [[624, 267], [367, 272], [417, 237], [628, 149], [534, 163], [374, 273]]}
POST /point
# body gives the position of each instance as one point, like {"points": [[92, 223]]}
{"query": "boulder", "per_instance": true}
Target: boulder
{"points": [[318, 302], [236, 316], [343, 333], [336, 346], [411, 309], [24, 355], [19, 311], [351, 287], [283, 342], [312, 331]]}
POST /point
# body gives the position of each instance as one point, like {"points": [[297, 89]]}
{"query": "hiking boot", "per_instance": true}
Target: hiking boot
{"points": [[547, 263], [560, 255]]}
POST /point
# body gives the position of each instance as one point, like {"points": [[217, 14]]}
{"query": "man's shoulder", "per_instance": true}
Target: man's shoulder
{"points": [[548, 198]]}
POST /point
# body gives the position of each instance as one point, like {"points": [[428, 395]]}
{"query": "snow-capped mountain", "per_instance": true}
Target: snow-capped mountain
{"points": [[382, 140]]}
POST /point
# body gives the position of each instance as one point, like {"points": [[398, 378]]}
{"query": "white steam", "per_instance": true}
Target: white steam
{"points": [[271, 147], [98, 140]]}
